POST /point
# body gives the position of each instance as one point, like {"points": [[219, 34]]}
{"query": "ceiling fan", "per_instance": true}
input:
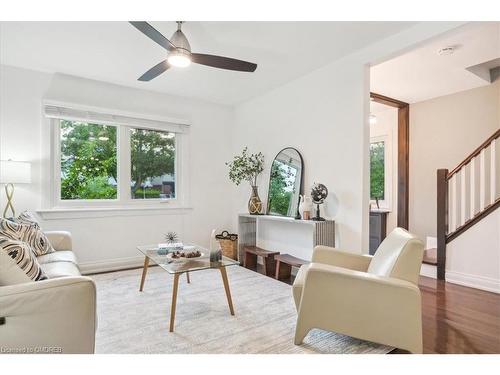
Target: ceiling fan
{"points": [[180, 55]]}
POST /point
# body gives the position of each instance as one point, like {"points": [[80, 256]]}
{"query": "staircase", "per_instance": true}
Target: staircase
{"points": [[466, 195]]}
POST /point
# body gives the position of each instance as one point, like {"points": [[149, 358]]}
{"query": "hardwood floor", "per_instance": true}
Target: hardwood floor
{"points": [[456, 319]]}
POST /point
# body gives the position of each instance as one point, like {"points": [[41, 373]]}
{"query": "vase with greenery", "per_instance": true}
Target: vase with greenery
{"points": [[248, 167]]}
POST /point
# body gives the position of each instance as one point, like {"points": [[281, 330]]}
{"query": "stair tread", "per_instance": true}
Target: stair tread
{"points": [[430, 256]]}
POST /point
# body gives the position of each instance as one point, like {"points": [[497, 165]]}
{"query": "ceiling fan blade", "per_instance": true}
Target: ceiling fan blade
{"points": [[155, 71], [153, 34], [223, 62]]}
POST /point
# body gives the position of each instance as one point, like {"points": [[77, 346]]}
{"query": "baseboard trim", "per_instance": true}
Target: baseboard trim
{"points": [[87, 268], [473, 281], [428, 270]]}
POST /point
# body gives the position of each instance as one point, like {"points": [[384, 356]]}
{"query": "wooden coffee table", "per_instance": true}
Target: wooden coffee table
{"points": [[179, 266]]}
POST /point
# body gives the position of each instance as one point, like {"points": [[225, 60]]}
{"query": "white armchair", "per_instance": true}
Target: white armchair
{"points": [[370, 298]]}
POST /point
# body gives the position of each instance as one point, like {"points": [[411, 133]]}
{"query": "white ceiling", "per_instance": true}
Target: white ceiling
{"points": [[116, 52], [422, 74]]}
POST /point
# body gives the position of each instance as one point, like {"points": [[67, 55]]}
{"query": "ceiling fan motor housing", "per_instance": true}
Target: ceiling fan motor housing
{"points": [[180, 41]]}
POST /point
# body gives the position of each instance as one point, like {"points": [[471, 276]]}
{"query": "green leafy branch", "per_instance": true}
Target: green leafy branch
{"points": [[246, 167]]}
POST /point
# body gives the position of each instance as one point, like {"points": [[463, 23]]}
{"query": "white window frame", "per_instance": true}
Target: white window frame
{"points": [[386, 203], [52, 198]]}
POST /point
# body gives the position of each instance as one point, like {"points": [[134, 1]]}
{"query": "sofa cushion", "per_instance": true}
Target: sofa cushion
{"points": [[388, 252], [58, 256], [54, 270], [18, 263], [29, 233]]}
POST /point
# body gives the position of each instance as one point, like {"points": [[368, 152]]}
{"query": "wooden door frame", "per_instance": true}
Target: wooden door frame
{"points": [[403, 154]]}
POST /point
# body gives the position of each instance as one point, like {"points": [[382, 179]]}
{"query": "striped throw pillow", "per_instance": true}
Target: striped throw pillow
{"points": [[31, 234], [27, 218], [18, 263]]}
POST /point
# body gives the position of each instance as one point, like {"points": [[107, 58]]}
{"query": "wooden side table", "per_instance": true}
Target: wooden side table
{"points": [[251, 254], [284, 264]]}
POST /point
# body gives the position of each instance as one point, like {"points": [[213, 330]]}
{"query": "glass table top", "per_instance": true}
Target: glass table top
{"points": [[165, 260]]}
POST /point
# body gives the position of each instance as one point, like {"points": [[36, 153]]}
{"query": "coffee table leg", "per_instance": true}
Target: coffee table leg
{"points": [[226, 287], [144, 272], [174, 301], [188, 279]]}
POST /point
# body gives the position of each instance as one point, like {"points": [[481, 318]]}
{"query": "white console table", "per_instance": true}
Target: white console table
{"points": [[284, 234]]}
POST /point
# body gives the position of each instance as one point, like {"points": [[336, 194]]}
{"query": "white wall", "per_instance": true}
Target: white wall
{"points": [[443, 131], [324, 114], [326, 124], [473, 258], [112, 240], [387, 126]]}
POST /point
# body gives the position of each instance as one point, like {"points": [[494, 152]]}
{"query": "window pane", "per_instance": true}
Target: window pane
{"points": [[88, 161], [153, 164], [377, 170]]}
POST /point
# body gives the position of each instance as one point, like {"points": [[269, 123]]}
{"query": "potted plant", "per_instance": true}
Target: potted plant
{"points": [[248, 167]]}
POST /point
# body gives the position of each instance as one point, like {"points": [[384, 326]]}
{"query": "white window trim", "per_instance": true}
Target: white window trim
{"points": [[386, 203], [54, 207]]}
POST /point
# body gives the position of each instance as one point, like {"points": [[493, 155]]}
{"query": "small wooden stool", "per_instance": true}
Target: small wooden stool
{"points": [[251, 254], [284, 264]]}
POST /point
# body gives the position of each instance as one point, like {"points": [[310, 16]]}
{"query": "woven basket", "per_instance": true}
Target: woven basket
{"points": [[229, 244]]}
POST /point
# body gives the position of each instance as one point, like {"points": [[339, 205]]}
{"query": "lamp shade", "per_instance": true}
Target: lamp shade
{"points": [[15, 172]]}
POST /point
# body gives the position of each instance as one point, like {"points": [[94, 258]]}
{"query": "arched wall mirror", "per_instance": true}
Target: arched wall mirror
{"points": [[285, 183]]}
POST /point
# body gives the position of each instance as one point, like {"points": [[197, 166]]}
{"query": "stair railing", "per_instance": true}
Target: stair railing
{"points": [[466, 195]]}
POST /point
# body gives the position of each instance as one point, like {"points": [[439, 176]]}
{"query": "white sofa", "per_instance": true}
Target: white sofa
{"points": [[57, 315]]}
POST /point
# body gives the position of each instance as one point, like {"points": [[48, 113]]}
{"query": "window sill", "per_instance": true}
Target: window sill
{"points": [[98, 212]]}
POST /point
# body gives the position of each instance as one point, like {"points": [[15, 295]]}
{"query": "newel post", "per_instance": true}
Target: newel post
{"points": [[442, 221]]}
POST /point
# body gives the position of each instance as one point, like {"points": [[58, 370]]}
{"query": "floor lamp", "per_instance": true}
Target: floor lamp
{"points": [[13, 172]]}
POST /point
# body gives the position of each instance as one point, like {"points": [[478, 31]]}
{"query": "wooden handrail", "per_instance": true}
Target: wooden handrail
{"points": [[475, 153]]}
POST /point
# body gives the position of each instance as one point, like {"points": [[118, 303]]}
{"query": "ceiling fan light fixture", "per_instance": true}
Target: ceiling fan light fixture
{"points": [[179, 59]]}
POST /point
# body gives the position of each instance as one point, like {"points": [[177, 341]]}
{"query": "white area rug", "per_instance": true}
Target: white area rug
{"points": [[137, 322]]}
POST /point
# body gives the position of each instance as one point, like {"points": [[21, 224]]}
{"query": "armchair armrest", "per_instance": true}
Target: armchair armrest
{"points": [[340, 258], [55, 315], [60, 240], [375, 308]]}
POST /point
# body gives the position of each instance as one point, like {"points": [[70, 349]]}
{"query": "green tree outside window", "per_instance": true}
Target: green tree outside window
{"points": [[88, 161], [152, 156], [377, 170]]}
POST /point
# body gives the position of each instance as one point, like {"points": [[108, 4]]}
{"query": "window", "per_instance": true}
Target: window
{"points": [[104, 160], [153, 164], [88, 161], [377, 170], [382, 163]]}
